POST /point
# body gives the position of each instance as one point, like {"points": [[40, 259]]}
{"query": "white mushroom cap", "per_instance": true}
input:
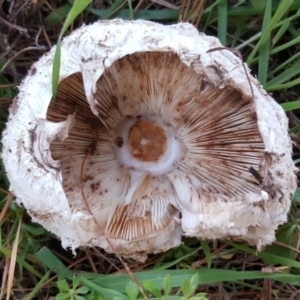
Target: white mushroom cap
{"points": [[161, 138]]}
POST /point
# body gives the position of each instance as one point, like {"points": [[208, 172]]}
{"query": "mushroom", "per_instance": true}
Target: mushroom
{"points": [[151, 137]]}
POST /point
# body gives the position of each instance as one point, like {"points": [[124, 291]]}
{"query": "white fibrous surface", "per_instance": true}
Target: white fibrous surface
{"points": [[151, 138]]}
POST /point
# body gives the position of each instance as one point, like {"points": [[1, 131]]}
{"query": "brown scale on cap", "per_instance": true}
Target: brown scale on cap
{"points": [[147, 141]]}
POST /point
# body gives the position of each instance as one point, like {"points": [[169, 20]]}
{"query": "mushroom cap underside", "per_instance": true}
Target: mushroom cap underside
{"points": [[143, 146]]}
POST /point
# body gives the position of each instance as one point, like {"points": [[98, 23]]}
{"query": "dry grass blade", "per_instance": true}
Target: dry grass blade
{"points": [[266, 293], [106, 258], [6, 101], [47, 282], [165, 3], [138, 5], [4, 277], [7, 86], [191, 11], [4, 191], [117, 9], [271, 269], [296, 250], [239, 55], [6, 205], [13, 260], [90, 260], [184, 9], [13, 26], [198, 13], [200, 262], [50, 45], [21, 51]]}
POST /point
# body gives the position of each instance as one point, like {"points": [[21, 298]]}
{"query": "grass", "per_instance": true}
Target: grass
{"points": [[33, 264]]}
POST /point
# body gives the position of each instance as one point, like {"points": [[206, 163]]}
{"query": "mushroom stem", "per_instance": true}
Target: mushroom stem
{"points": [[148, 145]]}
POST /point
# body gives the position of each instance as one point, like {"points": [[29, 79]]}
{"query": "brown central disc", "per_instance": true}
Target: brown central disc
{"points": [[147, 141]]}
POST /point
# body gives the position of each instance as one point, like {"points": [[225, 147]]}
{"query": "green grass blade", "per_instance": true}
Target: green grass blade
{"points": [[206, 276], [176, 261], [207, 253], [109, 293], [38, 285], [283, 65], [256, 36], [294, 129], [294, 30], [76, 9], [252, 39], [282, 30], [144, 14], [222, 21], [286, 75], [291, 105], [237, 34], [286, 45], [268, 257], [296, 197], [264, 50], [56, 68], [52, 262], [169, 298], [58, 15], [284, 86], [241, 11], [23, 264], [130, 10], [282, 47], [112, 11], [281, 10], [208, 12], [259, 5]]}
